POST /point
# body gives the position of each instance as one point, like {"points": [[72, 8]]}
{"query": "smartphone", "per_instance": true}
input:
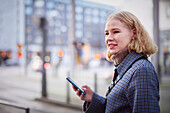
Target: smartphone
{"points": [[75, 85]]}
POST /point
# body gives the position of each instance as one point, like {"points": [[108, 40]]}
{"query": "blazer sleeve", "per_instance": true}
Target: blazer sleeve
{"points": [[143, 91], [97, 105]]}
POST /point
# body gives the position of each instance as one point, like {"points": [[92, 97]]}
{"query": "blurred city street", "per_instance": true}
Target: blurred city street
{"points": [[23, 90], [26, 90], [44, 41]]}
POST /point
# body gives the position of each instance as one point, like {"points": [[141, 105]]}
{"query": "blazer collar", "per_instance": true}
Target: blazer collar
{"points": [[127, 62]]}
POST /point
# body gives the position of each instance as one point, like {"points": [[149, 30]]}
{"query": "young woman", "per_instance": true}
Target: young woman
{"points": [[135, 86]]}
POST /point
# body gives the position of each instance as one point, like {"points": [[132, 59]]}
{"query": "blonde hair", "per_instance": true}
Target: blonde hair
{"points": [[142, 43]]}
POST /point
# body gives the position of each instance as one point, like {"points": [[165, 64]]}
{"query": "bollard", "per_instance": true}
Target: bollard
{"points": [[95, 82], [27, 110], [68, 90]]}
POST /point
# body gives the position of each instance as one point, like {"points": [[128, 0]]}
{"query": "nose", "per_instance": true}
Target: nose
{"points": [[108, 39]]}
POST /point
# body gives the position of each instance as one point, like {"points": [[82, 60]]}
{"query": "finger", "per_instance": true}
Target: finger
{"points": [[74, 88], [84, 89], [82, 96], [84, 86], [78, 92]]}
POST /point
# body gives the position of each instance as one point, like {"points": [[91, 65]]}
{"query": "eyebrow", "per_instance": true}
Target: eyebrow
{"points": [[112, 29]]}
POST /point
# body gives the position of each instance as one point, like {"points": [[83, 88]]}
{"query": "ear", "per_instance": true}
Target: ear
{"points": [[134, 33]]}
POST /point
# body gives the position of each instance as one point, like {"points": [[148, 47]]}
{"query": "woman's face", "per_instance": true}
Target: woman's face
{"points": [[118, 36]]}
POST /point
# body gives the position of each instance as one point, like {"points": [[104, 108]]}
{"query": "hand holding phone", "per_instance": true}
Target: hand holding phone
{"points": [[75, 85]]}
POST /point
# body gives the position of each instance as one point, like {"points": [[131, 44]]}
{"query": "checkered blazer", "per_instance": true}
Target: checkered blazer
{"points": [[137, 90]]}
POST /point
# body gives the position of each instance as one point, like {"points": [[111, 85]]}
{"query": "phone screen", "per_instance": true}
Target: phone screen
{"points": [[75, 85]]}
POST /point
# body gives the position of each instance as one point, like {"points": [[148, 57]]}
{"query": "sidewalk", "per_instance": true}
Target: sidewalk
{"points": [[165, 79], [26, 90]]}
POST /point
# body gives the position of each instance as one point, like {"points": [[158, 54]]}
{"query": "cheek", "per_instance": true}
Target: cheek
{"points": [[105, 40], [127, 43], [124, 42]]}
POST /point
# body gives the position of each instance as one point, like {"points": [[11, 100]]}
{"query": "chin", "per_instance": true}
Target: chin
{"points": [[113, 52]]}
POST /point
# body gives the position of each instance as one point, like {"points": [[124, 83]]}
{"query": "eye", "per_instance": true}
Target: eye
{"points": [[116, 32], [106, 33]]}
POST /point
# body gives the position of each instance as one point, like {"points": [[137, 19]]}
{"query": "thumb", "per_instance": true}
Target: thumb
{"points": [[85, 86]]}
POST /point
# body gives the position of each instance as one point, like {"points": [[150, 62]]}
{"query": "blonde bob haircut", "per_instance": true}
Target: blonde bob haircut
{"points": [[142, 43]]}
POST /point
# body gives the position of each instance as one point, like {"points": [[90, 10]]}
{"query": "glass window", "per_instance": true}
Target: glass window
{"points": [[48, 13], [79, 17], [69, 8], [29, 38], [57, 23], [79, 33], [95, 20], [39, 3], [39, 11], [79, 9], [103, 13], [68, 23], [88, 34], [51, 23], [53, 13], [165, 51], [58, 40], [57, 31], [68, 16], [28, 10], [38, 39], [61, 7], [88, 19], [79, 25], [50, 31], [28, 29], [95, 12], [87, 11], [28, 2], [50, 5], [63, 28], [103, 20]]}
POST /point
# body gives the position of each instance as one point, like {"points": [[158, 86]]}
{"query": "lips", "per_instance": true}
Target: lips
{"points": [[112, 46]]}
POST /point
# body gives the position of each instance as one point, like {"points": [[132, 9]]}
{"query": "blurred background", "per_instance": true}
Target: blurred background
{"points": [[44, 41]]}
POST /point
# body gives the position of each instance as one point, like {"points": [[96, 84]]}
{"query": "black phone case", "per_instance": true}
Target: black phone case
{"points": [[76, 86]]}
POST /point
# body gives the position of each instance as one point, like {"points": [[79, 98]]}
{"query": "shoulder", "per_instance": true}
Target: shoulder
{"points": [[143, 64], [144, 76], [144, 71]]}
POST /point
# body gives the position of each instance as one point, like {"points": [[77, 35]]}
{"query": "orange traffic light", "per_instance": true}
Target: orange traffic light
{"points": [[19, 45], [19, 53], [97, 56], [3, 53], [60, 53]]}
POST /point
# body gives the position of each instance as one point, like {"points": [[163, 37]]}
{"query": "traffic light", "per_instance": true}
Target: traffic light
{"points": [[97, 57], [60, 53], [19, 53]]}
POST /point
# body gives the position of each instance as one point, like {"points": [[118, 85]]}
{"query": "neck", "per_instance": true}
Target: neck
{"points": [[118, 57]]}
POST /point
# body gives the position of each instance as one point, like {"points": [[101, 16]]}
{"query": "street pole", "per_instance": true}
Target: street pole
{"points": [[26, 43], [156, 31], [72, 39], [43, 23], [95, 82], [68, 90]]}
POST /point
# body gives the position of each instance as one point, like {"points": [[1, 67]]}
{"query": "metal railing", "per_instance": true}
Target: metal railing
{"points": [[14, 105]]}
